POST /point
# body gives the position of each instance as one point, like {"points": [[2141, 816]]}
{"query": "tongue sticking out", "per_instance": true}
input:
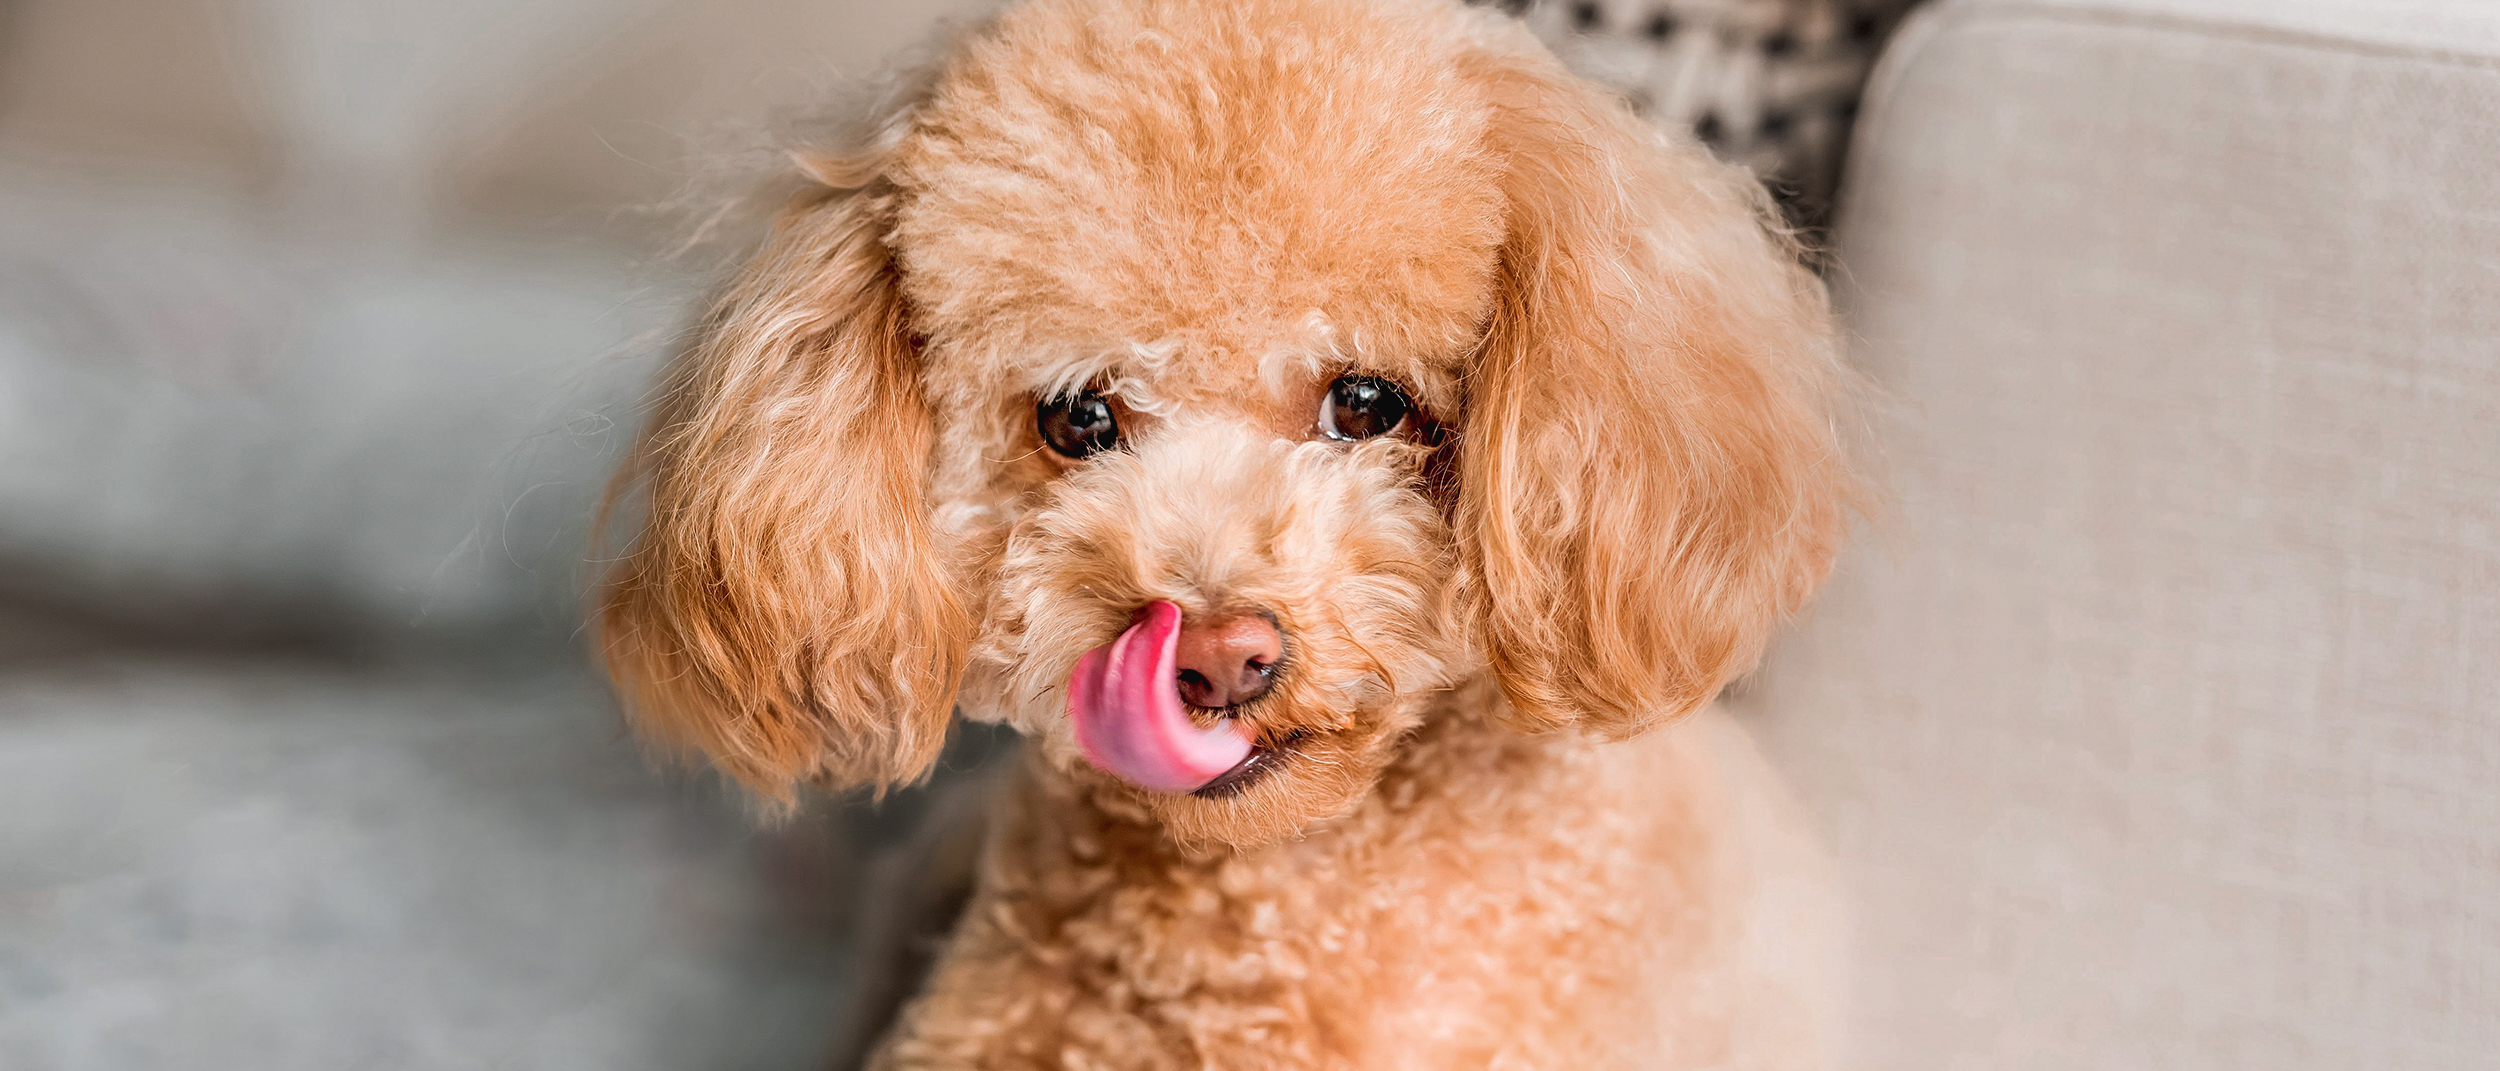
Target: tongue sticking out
{"points": [[1128, 714]]}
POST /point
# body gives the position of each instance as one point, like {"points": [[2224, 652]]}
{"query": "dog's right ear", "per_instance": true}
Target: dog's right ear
{"points": [[787, 609]]}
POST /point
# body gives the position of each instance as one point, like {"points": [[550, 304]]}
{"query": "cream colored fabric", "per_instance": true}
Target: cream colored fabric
{"points": [[2160, 725]]}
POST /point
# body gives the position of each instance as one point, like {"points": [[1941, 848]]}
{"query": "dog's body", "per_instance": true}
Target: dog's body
{"points": [[1319, 426], [1503, 901]]}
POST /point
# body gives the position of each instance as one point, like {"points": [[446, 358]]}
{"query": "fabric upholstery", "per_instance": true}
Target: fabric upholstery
{"points": [[278, 866], [2154, 719]]}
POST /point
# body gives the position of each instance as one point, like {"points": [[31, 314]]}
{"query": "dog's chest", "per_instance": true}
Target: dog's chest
{"points": [[1521, 917]]}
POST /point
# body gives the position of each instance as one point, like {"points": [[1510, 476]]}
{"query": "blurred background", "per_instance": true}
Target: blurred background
{"points": [[322, 323], [2152, 727]]}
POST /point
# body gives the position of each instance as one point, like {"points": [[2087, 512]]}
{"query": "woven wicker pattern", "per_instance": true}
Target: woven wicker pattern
{"points": [[1769, 83]]}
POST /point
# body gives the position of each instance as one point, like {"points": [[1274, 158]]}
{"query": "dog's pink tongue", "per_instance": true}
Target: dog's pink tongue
{"points": [[1128, 715]]}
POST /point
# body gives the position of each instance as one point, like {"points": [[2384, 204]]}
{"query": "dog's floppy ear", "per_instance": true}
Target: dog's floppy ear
{"points": [[787, 610], [1649, 479]]}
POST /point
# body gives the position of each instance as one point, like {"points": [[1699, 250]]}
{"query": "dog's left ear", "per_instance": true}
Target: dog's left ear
{"points": [[1649, 479]]}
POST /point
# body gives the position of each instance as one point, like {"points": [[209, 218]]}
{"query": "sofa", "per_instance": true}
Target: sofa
{"points": [[2153, 718]]}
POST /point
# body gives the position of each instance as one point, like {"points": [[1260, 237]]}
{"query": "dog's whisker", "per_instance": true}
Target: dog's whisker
{"points": [[1015, 459], [1378, 668]]}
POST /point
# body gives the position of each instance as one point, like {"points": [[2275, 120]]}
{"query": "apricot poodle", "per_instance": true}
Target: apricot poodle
{"points": [[1353, 453]]}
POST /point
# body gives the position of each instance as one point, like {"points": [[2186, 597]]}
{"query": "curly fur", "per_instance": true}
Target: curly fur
{"points": [[1212, 208]]}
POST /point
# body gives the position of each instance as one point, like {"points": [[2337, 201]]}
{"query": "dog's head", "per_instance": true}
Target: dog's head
{"points": [[1205, 387]]}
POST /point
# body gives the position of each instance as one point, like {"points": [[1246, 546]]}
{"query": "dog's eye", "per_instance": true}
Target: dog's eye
{"points": [[1078, 424], [1362, 407]]}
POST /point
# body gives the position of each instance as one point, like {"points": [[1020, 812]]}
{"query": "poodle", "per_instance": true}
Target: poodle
{"points": [[1353, 453]]}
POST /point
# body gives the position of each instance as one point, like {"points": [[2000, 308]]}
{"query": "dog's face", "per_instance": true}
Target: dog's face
{"points": [[1206, 388]]}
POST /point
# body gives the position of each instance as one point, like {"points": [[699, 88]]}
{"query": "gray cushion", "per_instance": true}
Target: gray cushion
{"points": [[288, 867], [2158, 722], [206, 420]]}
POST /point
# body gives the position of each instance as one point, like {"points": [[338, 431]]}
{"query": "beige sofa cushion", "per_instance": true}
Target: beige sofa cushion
{"points": [[2159, 725]]}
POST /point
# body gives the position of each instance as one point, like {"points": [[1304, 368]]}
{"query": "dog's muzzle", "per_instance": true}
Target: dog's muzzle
{"points": [[1126, 703]]}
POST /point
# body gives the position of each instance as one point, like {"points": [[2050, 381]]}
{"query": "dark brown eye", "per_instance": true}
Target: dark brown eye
{"points": [[1362, 407], [1078, 424]]}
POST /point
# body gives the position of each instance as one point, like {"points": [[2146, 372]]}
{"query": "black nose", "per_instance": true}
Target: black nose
{"points": [[1226, 661]]}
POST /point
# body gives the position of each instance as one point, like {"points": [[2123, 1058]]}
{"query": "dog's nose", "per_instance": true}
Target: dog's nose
{"points": [[1226, 661]]}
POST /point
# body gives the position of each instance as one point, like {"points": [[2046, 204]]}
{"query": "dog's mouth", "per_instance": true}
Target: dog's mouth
{"points": [[1252, 769], [1131, 723]]}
